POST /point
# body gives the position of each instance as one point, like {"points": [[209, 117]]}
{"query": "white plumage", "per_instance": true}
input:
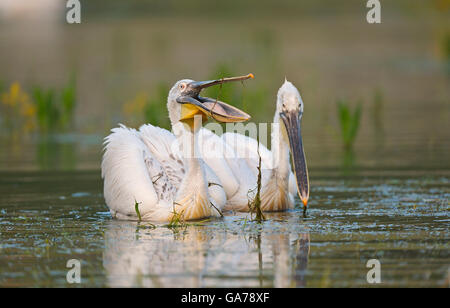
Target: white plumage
{"points": [[144, 166], [277, 192], [161, 172], [278, 183], [233, 170]]}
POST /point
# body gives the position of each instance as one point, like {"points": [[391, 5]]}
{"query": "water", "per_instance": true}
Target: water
{"points": [[388, 199], [47, 218]]}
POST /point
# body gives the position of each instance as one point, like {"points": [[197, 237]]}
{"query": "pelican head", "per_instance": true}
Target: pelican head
{"points": [[184, 102], [290, 110]]}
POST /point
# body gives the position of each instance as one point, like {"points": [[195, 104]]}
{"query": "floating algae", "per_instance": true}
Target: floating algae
{"points": [[255, 204]]}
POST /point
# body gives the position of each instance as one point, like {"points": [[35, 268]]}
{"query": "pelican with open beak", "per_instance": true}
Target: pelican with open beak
{"points": [[194, 104], [146, 177]]}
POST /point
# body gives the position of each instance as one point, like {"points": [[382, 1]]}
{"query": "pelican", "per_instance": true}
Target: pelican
{"points": [[160, 173], [278, 183]]}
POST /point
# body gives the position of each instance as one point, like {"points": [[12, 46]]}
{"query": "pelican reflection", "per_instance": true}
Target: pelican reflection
{"points": [[202, 256]]}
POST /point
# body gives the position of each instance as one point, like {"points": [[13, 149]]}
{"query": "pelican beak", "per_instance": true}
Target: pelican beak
{"points": [[291, 121], [222, 112]]}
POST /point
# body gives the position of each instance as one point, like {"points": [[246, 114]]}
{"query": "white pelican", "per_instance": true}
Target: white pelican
{"points": [[147, 168], [278, 184]]}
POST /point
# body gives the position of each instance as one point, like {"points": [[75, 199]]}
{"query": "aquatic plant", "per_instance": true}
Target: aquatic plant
{"points": [[255, 204], [17, 110], [46, 110], [68, 100], [140, 226], [177, 220], [349, 122], [55, 109], [136, 208], [47, 113]]}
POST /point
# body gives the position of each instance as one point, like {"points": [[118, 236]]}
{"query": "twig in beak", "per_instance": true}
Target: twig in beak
{"points": [[217, 98]]}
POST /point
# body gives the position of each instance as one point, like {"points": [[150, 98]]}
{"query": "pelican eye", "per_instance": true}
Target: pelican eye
{"points": [[182, 86]]}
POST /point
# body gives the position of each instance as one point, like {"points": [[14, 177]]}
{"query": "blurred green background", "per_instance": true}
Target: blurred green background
{"points": [[376, 95]]}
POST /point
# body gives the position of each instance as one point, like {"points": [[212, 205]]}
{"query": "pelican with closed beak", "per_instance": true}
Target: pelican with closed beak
{"points": [[154, 175], [278, 184]]}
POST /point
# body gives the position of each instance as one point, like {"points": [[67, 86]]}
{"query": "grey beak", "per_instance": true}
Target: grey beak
{"points": [[291, 121], [220, 111], [199, 85]]}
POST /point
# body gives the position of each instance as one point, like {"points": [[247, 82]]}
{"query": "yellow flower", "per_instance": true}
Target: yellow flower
{"points": [[14, 93], [10, 98], [14, 96], [19, 108], [28, 109]]}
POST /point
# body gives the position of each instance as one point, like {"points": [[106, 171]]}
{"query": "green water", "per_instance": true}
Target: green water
{"points": [[47, 218]]}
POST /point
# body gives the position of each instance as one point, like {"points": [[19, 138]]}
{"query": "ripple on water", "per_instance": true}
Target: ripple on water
{"points": [[400, 221]]}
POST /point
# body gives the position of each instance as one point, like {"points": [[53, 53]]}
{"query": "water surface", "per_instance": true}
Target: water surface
{"points": [[401, 219]]}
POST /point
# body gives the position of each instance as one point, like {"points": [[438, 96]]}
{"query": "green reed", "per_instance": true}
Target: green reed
{"points": [[55, 108], [349, 122]]}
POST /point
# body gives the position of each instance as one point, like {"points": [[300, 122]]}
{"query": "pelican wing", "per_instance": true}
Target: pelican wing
{"points": [[146, 166], [163, 146], [127, 179], [139, 166]]}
